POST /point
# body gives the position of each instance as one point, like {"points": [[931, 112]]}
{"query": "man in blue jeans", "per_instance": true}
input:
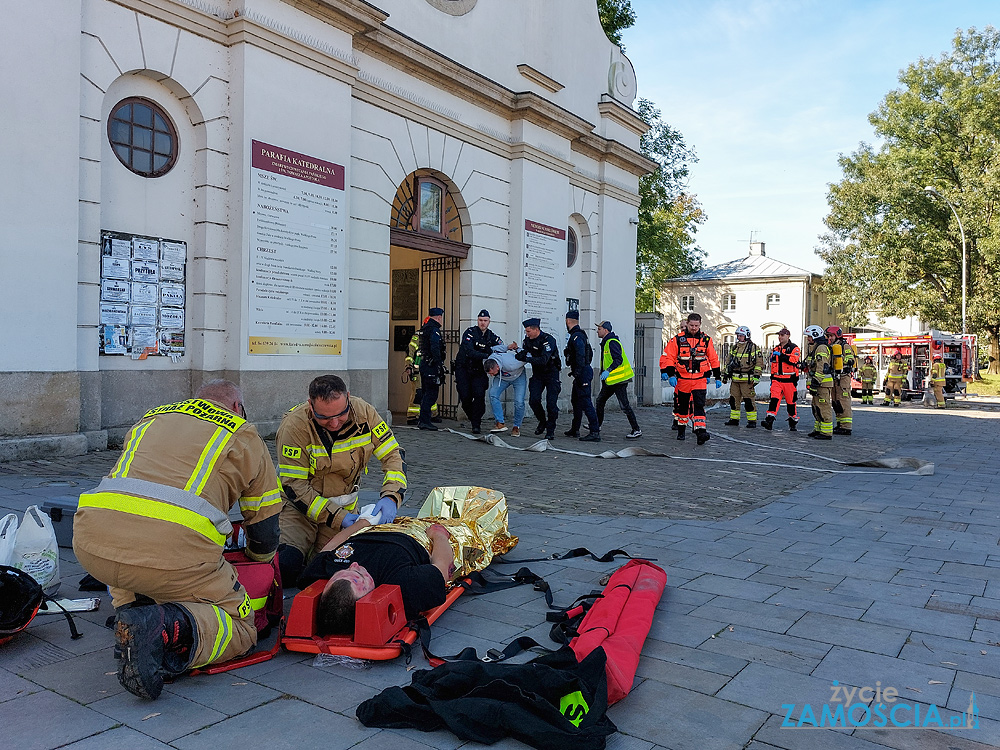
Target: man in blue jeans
{"points": [[506, 371]]}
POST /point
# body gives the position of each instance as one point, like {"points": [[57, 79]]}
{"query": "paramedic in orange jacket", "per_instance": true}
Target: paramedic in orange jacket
{"points": [[690, 361], [323, 450], [664, 376], [784, 380], [155, 528]]}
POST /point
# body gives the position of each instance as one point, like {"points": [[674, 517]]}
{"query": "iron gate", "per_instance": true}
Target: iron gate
{"points": [[639, 364], [439, 287]]}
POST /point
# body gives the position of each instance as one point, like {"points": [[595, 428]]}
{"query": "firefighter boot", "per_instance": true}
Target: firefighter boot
{"points": [[768, 422], [733, 423], [674, 426], [702, 436], [178, 639], [680, 431], [139, 634], [793, 425], [838, 430], [752, 424]]}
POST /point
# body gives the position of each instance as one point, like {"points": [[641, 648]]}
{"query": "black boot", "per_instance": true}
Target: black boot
{"points": [[572, 433], [838, 430], [821, 436], [591, 437], [793, 425], [540, 429], [702, 436], [752, 424], [733, 423], [680, 431], [674, 426], [178, 639], [139, 635], [426, 426], [768, 422]]}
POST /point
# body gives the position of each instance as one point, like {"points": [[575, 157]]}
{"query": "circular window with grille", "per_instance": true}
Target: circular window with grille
{"points": [[143, 137]]}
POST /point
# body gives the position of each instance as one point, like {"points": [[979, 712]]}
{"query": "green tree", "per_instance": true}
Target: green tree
{"points": [[616, 16], [668, 215], [892, 246]]}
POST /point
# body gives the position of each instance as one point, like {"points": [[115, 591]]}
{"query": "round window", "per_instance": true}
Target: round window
{"points": [[143, 137]]}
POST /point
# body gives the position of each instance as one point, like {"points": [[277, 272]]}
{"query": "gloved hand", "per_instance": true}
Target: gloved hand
{"points": [[349, 520], [664, 376], [672, 381], [604, 374], [725, 378], [718, 383], [369, 514], [753, 381], [386, 506]]}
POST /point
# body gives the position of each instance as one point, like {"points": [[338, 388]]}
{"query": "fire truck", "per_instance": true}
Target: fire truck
{"points": [[959, 353]]}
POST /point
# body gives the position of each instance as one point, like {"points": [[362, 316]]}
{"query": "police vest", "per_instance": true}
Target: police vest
{"points": [[621, 373]]}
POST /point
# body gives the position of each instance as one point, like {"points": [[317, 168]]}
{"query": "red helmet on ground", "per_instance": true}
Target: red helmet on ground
{"points": [[834, 331]]}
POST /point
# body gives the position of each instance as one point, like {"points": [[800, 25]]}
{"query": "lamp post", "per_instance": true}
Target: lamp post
{"points": [[961, 229]]}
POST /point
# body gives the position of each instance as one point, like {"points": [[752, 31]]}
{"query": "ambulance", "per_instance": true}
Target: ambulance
{"points": [[959, 354]]}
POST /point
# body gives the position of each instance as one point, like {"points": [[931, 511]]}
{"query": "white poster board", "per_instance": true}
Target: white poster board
{"points": [[544, 276], [297, 258]]}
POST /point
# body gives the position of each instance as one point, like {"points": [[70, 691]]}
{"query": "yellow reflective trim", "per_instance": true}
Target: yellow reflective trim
{"points": [[342, 446], [256, 503], [316, 450], [293, 472], [125, 461], [315, 508], [394, 476], [148, 508], [258, 604], [386, 448], [206, 462], [272, 497], [225, 632], [201, 409]]}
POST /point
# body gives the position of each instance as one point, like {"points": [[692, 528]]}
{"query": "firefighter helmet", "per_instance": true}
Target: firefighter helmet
{"points": [[835, 331], [897, 355], [938, 356], [814, 332], [869, 360], [743, 330]]}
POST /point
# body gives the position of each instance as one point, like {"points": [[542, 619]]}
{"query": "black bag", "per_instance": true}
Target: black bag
{"points": [[552, 702]]}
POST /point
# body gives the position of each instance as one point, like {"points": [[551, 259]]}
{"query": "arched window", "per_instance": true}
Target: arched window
{"points": [[143, 137], [572, 249], [773, 300]]}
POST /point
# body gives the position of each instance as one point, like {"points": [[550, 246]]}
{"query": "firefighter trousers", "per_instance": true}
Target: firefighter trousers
{"points": [[308, 537], [895, 390], [783, 389], [822, 409], [842, 401], [938, 395], [218, 606], [742, 391], [867, 391], [691, 402]]}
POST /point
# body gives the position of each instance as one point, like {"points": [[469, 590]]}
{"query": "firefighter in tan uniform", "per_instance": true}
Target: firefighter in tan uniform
{"points": [[844, 361], [938, 377], [154, 530], [323, 451], [746, 362], [899, 368], [820, 384]]}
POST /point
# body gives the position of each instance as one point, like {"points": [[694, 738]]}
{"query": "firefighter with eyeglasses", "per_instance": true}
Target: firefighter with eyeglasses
{"points": [[817, 364], [743, 373]]}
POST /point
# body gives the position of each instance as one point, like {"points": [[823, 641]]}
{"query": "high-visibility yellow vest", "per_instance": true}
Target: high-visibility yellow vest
{"points": [[624, 371]]}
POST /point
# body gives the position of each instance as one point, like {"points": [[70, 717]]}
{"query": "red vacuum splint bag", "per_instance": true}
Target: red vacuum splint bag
{"points": [[262, 580], [619, 622]]}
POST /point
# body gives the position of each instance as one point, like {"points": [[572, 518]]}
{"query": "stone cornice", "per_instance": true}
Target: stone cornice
{"points": [[604, 149], [354, 16], [618, 112], [537, 76]]}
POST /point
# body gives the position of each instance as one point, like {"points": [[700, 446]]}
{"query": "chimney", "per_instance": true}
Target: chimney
{"points": [[757, 248]]}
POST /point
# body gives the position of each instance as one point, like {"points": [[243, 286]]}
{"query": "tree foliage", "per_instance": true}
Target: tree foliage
{"points": [[616, 16], [892, 246], [668, 215]]}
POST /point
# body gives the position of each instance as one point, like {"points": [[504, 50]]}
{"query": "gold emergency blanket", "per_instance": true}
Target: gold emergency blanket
{"points": [[476, 518]]}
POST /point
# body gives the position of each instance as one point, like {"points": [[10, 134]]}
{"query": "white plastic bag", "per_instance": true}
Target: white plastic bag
{"points": [[36, 550], [8, 533]]}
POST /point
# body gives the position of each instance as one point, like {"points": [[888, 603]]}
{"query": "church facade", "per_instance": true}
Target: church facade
{"points": [[271, 190]]}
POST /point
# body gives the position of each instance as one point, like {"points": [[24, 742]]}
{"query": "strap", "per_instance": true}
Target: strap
{"points": [[523, 643], [477, 583], [74, 633], [172, 495], [578, 552]]}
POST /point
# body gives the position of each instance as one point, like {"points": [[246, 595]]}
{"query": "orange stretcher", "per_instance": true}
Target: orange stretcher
{"points": [[381, 630]]}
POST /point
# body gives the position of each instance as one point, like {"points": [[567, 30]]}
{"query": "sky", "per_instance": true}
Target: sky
{"points": [[769, 93]]}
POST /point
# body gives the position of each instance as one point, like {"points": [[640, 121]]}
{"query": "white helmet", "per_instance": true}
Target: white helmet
{"points": [[815, 332], [743, 331]]}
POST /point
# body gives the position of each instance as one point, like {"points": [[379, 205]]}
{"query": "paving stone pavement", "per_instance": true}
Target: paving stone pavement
{"points": [[781, 582]]}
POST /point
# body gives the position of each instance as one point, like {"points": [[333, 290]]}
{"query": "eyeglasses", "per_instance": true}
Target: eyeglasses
{"points": [[323, 418]]}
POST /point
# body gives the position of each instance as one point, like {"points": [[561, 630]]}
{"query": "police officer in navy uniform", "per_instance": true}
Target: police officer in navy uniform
{"points": [[470, 376], [579, 355], [432, 371], [540, 350]]}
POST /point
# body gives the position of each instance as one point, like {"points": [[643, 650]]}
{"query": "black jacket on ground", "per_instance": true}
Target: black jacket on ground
{"points": [[552, 702]]}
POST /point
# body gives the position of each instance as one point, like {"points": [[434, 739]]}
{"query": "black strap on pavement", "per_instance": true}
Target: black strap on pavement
{"points": [[578, 552]]}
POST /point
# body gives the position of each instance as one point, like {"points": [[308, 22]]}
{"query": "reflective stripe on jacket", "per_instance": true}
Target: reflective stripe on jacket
{"points": [[745, 361], [611, 350], [938, 371], [785, 362], [691, 355]]}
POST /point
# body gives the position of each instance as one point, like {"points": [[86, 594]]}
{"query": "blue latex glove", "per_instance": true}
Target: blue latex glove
{"points": [[387, 508], [604, 375], [718, 383], [349, 520], [664, 376], [672, 381]]}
